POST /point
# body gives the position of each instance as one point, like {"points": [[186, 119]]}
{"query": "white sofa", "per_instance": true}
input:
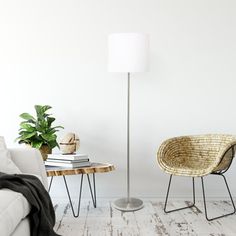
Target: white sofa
{"points": [[14, 208]]}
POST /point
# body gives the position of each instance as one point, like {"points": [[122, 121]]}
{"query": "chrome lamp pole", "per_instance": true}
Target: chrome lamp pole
{"points": [[128, 203]]}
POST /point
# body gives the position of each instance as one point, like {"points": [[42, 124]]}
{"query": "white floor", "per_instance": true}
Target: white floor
{"points": [[151, 220]]}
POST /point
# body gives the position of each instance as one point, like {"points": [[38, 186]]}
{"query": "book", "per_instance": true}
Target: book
{"points": [[71, 157], [69, 165], [67, 161]]}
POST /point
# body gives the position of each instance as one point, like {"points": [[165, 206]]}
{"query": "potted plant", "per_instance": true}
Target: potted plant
{"points": [[38, 131]]}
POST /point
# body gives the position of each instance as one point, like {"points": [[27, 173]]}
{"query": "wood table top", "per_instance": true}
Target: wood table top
{"points": [[94, 168]]}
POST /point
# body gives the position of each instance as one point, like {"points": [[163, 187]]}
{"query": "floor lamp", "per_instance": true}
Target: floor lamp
{"points": [[128, 53]]}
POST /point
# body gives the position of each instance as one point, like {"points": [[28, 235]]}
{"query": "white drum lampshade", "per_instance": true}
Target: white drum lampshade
{"points": [[128, 52]]}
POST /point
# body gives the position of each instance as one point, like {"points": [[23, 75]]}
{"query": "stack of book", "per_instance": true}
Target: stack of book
{"points": [[68, 160]]}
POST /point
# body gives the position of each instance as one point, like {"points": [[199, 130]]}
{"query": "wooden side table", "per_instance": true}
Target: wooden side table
{"points": [[93, 169]]}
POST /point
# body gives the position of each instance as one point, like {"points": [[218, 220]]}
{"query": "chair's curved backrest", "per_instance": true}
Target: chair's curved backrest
{"points": [[225, 161], [212, 152]]}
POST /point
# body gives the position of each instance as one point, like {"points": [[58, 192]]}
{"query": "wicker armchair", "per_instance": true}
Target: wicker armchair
{"points": [[197, 156]]}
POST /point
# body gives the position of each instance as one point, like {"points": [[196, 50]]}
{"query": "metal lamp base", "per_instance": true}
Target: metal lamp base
{"points": [[125, 204]]}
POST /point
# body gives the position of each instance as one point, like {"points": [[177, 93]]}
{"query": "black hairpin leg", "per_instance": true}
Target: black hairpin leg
{"points": [[167, 195], [50, 184], [80, 192], [204, 200], [93, 192]]}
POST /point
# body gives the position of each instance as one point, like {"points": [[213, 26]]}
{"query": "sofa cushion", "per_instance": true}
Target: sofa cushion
{"points": [[13, 208], [6, 164], [23, 228]]}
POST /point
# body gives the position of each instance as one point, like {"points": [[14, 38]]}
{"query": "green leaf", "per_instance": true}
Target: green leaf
{"points": [[28, 122], [52, 131], [22, 132], [24, 122], [25, 132], [49, 137], [38, 109], [27, 116], [58, 127], [28, 135], [39, 127], [50, 120], [45, 108], [27, 127], [37, 144], [53, 144], [44, 124], [23, 141]]}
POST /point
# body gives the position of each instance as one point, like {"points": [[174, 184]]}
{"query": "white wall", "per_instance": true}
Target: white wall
{"points": [[55, 52]]}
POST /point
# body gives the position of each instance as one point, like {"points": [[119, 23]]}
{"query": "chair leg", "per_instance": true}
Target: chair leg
{"points": [[205, 205], [182, 208]]}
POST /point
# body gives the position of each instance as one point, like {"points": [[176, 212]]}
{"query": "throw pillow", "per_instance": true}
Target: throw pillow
{"points": [[6, 164]]}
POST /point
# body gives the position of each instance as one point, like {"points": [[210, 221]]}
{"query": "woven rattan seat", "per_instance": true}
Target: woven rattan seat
{"points": [[197, 155]]}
